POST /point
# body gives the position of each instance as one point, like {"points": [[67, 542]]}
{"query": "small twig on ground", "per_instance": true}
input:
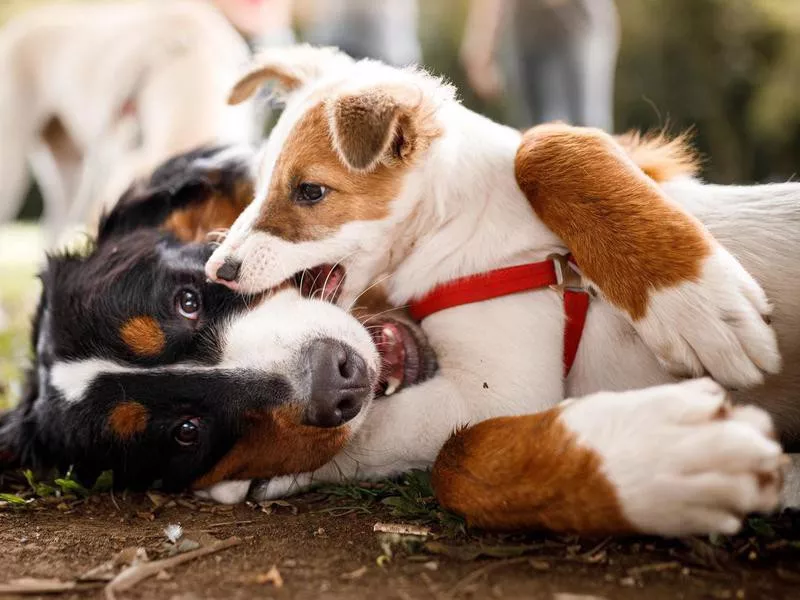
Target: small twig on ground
{"points": [[226, 523], [114, 501], [597, 548], [137, 573], [31, 586]]}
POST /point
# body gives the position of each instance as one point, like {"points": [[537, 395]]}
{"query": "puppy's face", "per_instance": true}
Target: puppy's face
{"points": [[338, 176], [144, 367]]}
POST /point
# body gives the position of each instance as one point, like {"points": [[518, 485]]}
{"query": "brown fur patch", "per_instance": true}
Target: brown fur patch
{"points": [[660, 157], [526, 473], [277, 443], [127, 419], [363, 127], [625, 233], [218, 212], [308, 156], [143, 335], [252, 81]]}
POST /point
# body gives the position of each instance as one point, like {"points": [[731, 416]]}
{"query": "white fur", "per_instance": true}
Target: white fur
{"points": [[73, 378], [678, 467], [460, 212]]}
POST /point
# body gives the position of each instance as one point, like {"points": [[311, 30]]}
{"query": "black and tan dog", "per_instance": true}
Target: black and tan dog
{"points": [[143, 366]]}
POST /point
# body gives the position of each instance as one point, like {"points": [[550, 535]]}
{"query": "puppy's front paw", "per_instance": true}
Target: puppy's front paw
{"points": [[226, 492], [280, 487], [716, 324], [681, 459]]}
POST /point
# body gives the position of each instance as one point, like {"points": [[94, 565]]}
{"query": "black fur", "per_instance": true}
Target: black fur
{"points": [[135, 268]]}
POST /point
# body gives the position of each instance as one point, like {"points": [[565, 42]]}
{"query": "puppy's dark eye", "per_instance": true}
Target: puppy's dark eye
{"points": [[187, 433], [310, 193], [187, 303]]}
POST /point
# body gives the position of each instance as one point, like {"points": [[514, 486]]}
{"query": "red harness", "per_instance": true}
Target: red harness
{"points": [[558, 272]]}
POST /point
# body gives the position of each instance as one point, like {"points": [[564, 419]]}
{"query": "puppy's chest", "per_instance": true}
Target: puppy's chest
{"points": [[504, 355], [611, 356]]}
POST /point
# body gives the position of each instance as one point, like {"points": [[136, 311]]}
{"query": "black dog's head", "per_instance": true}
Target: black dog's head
{"points": [[144, 367]]}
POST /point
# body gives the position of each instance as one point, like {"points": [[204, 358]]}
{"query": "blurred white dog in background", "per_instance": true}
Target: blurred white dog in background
{"points": [[95, 95]]}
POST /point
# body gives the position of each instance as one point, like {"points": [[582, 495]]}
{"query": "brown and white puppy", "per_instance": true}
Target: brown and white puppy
{"points": [[382, 173], [93, 96]]}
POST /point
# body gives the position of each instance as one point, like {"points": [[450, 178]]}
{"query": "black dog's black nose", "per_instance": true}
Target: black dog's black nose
{"points": [[229, 271], [339, 380]]}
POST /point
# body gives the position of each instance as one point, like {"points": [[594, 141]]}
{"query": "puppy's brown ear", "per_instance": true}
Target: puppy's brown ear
{"points": [[380, 125], [289, 68]]}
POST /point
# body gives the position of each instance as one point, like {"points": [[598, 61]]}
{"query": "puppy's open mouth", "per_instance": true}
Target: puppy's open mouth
{"points": [[406, 356], [406, 359], [323, 282]]}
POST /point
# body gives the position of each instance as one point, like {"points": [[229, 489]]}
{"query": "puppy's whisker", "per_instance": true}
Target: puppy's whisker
{"points": [[302, 278], [374, 284], [383, 312], [330, 272]]}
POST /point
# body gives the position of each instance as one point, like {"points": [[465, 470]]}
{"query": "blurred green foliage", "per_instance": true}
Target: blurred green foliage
{"points": [[729, 69]]}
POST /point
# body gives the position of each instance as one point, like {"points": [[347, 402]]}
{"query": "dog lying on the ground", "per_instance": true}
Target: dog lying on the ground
{"points": [[94, 95], [144, 367], [373, 170], [191, 389]]}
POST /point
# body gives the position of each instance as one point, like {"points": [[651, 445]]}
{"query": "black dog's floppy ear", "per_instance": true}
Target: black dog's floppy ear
{"points": [[191, 194]]}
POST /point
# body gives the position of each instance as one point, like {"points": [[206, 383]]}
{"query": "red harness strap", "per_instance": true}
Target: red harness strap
{"points": [[512, 280]]}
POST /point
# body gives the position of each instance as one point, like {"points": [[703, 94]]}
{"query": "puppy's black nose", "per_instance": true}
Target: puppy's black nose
{"points": [[339, 380], [229, 271]]}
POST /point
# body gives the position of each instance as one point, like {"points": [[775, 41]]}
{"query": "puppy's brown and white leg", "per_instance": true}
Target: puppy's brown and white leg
{"points": [[688, 298], [669, 460]]}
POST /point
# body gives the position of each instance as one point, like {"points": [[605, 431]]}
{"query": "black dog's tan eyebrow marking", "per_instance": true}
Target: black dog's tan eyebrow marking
{"points": [[127, 419], [143, 335]]}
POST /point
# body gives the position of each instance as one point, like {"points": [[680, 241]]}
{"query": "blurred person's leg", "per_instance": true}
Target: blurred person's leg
{"points": [[567, 52], [382, 29], [549, 81], [598, 50]]}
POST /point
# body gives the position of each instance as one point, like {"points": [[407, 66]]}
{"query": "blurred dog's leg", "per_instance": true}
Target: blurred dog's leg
{"points": [[16, 133], [56, 163]]}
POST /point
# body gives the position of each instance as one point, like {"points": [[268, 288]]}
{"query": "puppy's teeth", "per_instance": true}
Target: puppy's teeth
{"points": [[388, 333], [392, 384]]}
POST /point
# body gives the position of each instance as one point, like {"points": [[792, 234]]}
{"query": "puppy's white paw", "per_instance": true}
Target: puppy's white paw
{"points": [[681, 458], [280, 487], [715, 325], [226, 492]]}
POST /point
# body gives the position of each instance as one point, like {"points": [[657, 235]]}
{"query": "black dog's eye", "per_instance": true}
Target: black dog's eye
{"points": [[310, 193], [188, 304], [187, 433]]}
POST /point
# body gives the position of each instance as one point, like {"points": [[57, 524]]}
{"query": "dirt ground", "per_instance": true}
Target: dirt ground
{"points": [[323, 546]]}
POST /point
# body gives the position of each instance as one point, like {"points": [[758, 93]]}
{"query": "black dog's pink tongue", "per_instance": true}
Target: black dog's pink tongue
{"points": [[389, 342]]}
